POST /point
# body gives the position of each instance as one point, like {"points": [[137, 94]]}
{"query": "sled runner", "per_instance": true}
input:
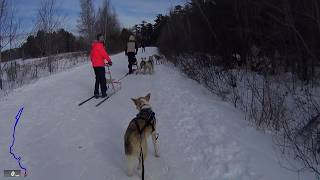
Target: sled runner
{"points": [[114, 85], [111, 83]]}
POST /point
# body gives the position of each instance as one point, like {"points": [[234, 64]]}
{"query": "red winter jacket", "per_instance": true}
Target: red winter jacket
{"points": [[98, 54]]}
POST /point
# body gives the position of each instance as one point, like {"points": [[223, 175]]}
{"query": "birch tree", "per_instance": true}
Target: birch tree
{"points": [[8, 31], [87, 20]]}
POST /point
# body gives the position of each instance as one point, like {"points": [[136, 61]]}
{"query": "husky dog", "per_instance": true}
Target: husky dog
{"points": [[135, 64], [147, 66], [158, 58], [140, 67], [143, 63], [137, 133], [151, 60]]}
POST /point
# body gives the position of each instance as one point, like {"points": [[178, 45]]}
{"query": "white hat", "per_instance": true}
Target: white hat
{"points": [[131, 38]]}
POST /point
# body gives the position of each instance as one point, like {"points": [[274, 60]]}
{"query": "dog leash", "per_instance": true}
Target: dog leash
{"points": [[142, 160], [123, 77], [151, 116]]}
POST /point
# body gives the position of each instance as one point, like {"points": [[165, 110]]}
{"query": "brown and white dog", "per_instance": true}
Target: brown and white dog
{"points": [[137, 133], [146, 66], [159, 58]]}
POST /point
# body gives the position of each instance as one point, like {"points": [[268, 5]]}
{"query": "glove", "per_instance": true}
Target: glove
{"points": [[109, 63]]}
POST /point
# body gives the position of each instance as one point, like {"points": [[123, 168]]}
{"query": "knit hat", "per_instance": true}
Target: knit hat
{"points": [[131, 38]]}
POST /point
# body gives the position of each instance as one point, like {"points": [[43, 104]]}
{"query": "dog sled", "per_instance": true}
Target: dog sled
{"points": [[112, 84], [113, 87]]}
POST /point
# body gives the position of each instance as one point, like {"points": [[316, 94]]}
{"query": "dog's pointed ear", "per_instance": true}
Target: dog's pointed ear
{"points": [[147, 97], [135, 101]]}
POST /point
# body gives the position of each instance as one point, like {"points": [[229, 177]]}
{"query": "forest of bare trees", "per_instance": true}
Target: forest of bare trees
{"points": [[47, 38], [50, 39], [104, 21], [8, 29], [287, 30]]}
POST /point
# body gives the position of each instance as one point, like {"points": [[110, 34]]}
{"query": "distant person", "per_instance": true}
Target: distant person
{"points": [[131, 51], [98, 57], [143, 46]]}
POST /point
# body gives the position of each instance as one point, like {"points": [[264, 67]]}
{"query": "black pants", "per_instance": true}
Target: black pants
{"points": [[100, 80], [132, 60]]}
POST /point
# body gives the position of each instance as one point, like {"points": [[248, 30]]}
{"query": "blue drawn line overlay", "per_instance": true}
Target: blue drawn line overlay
{"points": [[16, 157]]}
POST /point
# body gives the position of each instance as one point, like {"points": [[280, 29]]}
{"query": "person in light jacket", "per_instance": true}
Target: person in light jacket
{"points": [[131, 51]]}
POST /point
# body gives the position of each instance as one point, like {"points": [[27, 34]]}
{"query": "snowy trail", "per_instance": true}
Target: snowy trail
{"points": [[201, 137]]}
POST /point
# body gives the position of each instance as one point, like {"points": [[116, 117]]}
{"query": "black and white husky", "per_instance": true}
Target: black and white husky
{"points": [[135, 138], [147, 65]]}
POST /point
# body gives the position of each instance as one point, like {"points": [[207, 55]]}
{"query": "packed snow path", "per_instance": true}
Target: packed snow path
{"points": [[201, 137]]}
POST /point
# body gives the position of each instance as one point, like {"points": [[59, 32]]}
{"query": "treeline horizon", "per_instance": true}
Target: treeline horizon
{"points": [[62, 42], [285, 34], [51, 38]]}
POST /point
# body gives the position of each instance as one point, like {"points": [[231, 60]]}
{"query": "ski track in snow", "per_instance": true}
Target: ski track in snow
{"points": [[201, 137]]}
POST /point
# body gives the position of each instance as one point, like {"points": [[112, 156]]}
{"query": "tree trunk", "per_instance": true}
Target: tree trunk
{"points": [[1, 85]]}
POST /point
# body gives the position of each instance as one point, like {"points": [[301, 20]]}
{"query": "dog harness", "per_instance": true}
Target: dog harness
{"points": [[150, 119]]}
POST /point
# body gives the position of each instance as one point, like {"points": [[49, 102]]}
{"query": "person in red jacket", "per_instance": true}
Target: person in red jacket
{"points": [[98, 56]]}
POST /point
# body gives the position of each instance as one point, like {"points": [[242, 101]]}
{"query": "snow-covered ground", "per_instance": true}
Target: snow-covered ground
{"points": [[201, 137], [20, 72], [21, 61]]}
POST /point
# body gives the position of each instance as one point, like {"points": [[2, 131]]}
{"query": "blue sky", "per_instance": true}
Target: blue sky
{"points": [[130, 12]]}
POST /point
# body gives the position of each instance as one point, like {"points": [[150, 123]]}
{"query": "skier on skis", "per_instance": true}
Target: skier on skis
{"points": [[98, 56], [131, 51]]}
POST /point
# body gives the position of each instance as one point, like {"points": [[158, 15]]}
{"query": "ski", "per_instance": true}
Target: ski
{"points": [[85, 101], [123, 77], [106, 98]]}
